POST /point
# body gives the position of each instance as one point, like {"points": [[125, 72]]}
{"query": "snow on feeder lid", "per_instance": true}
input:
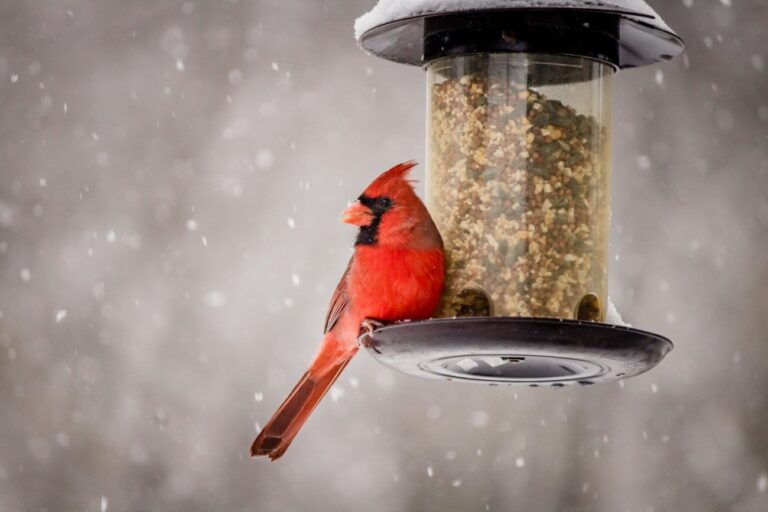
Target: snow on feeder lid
{"points": [[518, 183]]}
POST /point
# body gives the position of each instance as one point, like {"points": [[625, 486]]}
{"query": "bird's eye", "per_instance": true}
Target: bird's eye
{"points": [[378, 205]]}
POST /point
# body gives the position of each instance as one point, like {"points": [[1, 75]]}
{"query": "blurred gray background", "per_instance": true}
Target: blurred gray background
{"points": [[170, 178]]}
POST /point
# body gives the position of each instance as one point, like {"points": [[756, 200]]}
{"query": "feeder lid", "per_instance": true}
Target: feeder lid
{"points": [[395, 29], [524, 351]]}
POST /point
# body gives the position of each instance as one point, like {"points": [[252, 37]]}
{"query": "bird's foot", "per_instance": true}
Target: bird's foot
{"points": [[366, 331], [369, 325]]}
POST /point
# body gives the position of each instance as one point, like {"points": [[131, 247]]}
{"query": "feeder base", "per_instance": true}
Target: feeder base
{"points": [[522, 351]]}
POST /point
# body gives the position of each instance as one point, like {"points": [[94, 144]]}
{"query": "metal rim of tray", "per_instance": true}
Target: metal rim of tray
{"points": [[519, 351]]}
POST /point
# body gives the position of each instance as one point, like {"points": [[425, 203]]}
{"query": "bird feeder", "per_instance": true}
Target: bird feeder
{"points": [[519, 101]]}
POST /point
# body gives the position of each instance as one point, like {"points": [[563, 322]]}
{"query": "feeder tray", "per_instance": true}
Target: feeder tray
{"points": [[518, 351]]}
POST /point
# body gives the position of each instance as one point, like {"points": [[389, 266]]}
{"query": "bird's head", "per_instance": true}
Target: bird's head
{"points": [[390, 213]]}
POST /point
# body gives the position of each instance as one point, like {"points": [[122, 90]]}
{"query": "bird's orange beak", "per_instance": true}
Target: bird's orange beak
{"points": [[357, 214]]}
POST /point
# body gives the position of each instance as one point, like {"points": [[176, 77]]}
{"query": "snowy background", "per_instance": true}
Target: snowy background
{"points": [[170, 178]]}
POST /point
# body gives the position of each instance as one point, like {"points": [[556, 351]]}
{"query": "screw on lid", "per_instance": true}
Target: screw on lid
{"points": [[626, 33]]}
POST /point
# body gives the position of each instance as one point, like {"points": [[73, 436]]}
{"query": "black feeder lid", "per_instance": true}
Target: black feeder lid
{"points": [[523, 351], [624, 33]]}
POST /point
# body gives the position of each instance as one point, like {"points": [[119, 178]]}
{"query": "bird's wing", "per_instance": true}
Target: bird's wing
{"points": [[339, 301]]}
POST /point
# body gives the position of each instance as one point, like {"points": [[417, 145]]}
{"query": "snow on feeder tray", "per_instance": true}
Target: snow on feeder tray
{"points": [[518, 181]]}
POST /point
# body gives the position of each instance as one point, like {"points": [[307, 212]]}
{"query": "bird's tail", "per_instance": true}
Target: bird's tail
{"points": [[279, 432]]}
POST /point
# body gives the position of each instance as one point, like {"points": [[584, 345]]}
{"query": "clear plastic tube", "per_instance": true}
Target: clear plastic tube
{"points": [[518, 182]]}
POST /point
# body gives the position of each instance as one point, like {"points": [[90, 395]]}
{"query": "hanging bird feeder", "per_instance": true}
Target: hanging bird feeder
{"points": [[519, 99]]}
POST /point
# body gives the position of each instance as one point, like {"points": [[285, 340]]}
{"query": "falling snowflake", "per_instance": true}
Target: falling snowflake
{"points": [[762, 482], [336, 393], [215, 298]]}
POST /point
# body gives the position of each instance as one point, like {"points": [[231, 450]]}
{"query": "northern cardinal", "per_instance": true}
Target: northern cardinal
{"points": [[396, 273]]}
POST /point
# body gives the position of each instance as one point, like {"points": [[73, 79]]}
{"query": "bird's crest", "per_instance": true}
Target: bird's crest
{"points": [[384, 183]]}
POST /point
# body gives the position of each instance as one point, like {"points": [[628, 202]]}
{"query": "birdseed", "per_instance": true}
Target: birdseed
{"points": [[519, 189]]}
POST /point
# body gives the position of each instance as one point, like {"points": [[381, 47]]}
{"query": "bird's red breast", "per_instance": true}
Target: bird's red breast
{"points": [[393, 284]]}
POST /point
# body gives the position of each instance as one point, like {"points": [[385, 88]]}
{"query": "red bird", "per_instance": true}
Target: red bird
{"points": [[396, 273]]}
